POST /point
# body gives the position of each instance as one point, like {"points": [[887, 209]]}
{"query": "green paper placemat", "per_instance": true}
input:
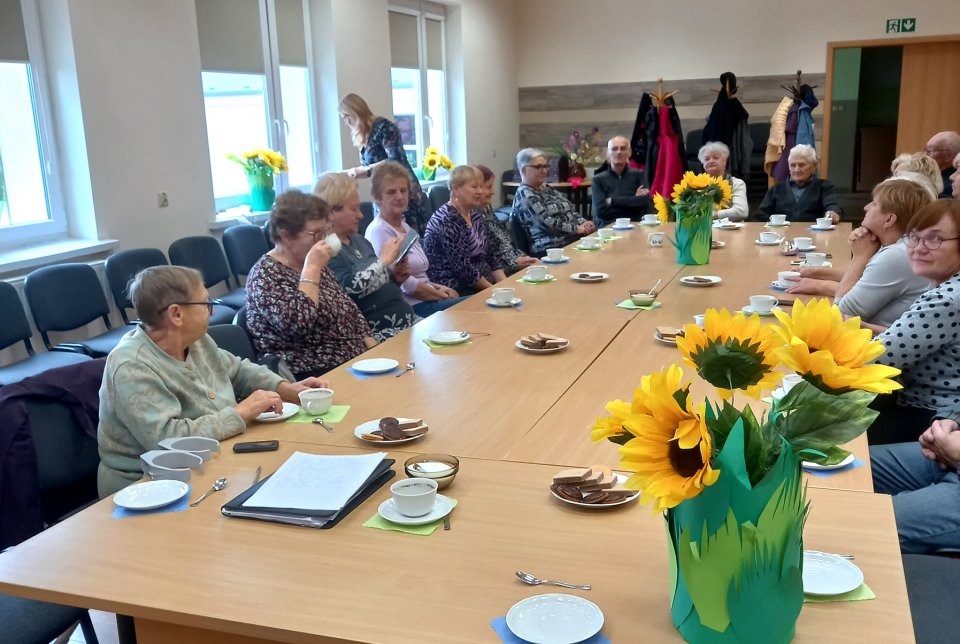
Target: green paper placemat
{"points": [[377, 521], [858, 594], [611, 238], [587, 250], [627, 304], [526, 281], [436, 345], [334, 415]]}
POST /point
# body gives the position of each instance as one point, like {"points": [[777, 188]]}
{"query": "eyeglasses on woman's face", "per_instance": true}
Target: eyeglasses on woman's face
{"points": [[930, 242], [209, 304]]}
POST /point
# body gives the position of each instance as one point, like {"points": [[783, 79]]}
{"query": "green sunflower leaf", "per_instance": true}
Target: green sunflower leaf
{"points": [[808, 418], [730, 365], [621, 439]]}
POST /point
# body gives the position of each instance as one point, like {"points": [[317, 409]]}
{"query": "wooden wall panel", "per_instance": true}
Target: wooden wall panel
{"points": [[929, 93]]}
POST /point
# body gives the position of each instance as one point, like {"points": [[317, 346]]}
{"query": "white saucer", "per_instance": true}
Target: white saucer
{"points": [[826, 574], [730, 226], [289, 409], [770, 225], [621, 479], [582, 247], [807, 249], [150, 495], [615, 227], [371, 425], [817, 228], [656, 223], [520, 346], [593, 276], [375, 365], [748, 310], [769, 243], [714, 280], [563, 258], [775, 285], [807, 465], [388, 510], [513, 302], [804, 264], [556, 618], [547, 278], [449, 337]]}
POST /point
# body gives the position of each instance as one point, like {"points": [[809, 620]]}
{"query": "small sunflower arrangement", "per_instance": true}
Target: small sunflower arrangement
{"points": [[728, 481], [260, 162], [432, 160], [692, 203]]}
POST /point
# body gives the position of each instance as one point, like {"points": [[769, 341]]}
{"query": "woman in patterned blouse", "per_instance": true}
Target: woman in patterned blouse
{"points": [[379, 140], [371, 281], [296, 309], [510, 259], [456, 239]]}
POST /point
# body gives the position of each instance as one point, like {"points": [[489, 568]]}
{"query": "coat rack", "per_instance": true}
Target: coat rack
{"points": [[726, 87], [797, 89], [660, 97]]}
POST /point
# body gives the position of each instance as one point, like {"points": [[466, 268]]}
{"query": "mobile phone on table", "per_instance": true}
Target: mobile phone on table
{"points": [[256, 446]]}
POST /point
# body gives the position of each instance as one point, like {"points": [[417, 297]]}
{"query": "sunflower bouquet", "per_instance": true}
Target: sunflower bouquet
{"points": [[260, 166], [729, 481], [691, 204], [433, 159]]}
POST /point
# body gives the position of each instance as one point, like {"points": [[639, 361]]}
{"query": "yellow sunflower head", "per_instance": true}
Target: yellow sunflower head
{"points": [[724, 194], [431, 162], [697, 181], [663, 209], [732, 352], [446, 162], [831, 353], [431, 152]]}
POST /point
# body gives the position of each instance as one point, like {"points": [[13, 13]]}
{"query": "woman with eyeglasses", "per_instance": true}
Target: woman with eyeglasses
{"points": [[296, 308], [548, 217], [167, 378], [924, 343]]}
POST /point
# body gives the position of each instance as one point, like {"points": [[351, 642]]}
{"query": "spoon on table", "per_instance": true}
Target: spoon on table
{"points": [[653, 291], [410, 366], [319, 421], [527, 578], [218, 485]]}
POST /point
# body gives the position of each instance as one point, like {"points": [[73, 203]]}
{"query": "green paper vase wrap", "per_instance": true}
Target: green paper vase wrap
{"points": [[262, 194], [694, 232], [736, 553]]}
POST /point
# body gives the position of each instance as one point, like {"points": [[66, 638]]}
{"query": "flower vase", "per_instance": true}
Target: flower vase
{"points": [[262, 194], [694, 232], [429, 173], [577, 170], [736, 551]]}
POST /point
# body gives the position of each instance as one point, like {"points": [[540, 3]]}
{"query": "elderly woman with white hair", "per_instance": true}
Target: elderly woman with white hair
{"points": [[714, 156], [805, 196], [549, 218]]}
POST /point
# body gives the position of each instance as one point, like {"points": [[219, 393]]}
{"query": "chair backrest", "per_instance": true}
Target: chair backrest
{"points": [[366, 207], [65, 297], [204, 254], [14, 326], [266, 234], [240, 319], [123, 266], [233, 338], [439, 195], [521, 238], [66, 456], [244, 245]]}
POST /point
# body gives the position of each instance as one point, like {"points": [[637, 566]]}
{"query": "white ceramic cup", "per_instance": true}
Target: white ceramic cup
{"points": [[790, 381], [316, 401], [590, 242], [816, 259], [768, 237], [537, 273], [824, 222], [605, 233], [623, 222], [803, 242], [651, 219], [656, 239], [700, 319], [762, 303], [555, 254], [787, 279], [414, 497], [503, 295], [334, 243], [778, 220]]}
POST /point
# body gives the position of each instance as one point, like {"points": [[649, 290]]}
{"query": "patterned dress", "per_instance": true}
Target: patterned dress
{"points": [[459, 254], [504, 251], [550, 219], [312, 338], [385, 143]]}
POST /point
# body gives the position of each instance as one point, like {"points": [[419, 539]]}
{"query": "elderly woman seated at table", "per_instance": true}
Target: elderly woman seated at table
{"points": [[296, 309], [371, 280], [461, 256], [390, 186], [804, 197], [167, 378], [920, 168], [714, 156], [510, 259], [549, 218]]}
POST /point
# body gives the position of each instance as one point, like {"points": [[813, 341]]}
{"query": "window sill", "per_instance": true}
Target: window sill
{"points": [[228, 218], [25, 258]]}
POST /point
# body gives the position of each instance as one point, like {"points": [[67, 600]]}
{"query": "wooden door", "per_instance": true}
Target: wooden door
{"points": [[929, 93]]}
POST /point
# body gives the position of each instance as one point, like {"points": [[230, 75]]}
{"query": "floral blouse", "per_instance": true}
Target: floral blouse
{"points": [[548, 216], [385, 143], [283, 321], [459, 254], [504, 251]]}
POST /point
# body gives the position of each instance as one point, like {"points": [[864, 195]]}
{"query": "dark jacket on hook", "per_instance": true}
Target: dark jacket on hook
{"points": [[727, 124]]}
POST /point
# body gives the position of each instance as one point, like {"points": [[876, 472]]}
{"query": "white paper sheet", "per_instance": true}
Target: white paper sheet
{"points": [[315, 481]]}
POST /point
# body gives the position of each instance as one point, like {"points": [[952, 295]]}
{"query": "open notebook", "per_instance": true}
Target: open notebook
{"points": [[313, 490]]}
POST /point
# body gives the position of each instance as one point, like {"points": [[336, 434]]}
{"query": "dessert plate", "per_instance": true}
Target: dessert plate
{"points": [[371, 425], [690, 281], [621, 479], [150, 495], [555, 618], [520, 346], [659, 338], [588, 276], [375, 365], [289, 409], [807, 465], [827, 574], [449, 337]]}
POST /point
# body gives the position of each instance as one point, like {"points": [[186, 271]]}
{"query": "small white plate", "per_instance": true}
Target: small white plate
{"points": [[818, 229], [375, 365], [621, 479], [371, 425], [804, 264], [688, 280], [582, 247], [826, 574], [555, 618], [547, 278], [769, 243], [659, 338], [770, 225], [388, 510], [775, 285], [449, 337], [150, 495], [592, 277], [520, 346], [807, 465], [563, 258], [289, 409], [730, 226], [628, 227], [748, 310], [513, 302]]}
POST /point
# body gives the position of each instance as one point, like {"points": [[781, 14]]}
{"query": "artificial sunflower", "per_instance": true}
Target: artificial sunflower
{"points": [[828, 351], [446, 162], [431, 162], [726, 192], [663, 209], [697, 181], [732, 352], [431, 152]]}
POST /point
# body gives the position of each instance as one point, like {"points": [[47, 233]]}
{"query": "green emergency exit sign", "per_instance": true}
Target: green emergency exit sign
{"points": [[901, 25]]}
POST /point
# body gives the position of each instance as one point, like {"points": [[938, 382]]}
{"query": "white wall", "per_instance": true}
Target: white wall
{"points": [[569, 42]]}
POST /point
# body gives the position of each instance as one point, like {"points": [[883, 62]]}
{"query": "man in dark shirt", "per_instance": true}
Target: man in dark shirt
{"points": [[619, 191], [943, 147]]}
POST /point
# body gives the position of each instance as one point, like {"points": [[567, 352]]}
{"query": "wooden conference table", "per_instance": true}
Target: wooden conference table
{"points": [[512, 418]]}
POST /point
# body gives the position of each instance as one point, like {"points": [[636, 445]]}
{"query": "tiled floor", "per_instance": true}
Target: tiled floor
{"points": [[104, 623]]}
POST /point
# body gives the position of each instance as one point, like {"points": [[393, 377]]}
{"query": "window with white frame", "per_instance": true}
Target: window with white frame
{"points": [[256, 89], [418, 74], [29, 198]]}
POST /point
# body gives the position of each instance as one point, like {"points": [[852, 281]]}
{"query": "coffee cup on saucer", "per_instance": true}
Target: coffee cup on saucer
{"points": [[768, 237], [537, 273], [786, 279], [622, 222], [316, 401], [605, 233], [762, 303], [414, 497], [824, 222], [555, 254], [656, 239], [503, 295], [816, 259], [778, 220], [651, 219], [803, 243], [590, 243]]}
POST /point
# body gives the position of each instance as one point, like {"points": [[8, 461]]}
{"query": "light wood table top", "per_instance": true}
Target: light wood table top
{"points": [[197, 576]]}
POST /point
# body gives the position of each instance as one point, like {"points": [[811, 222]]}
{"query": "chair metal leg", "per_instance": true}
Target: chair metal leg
{"points": [[86, 624], [126, 630]]}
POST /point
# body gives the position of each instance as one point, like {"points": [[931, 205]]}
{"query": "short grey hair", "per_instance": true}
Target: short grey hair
{"points": [[154, 289], [713, 146], [804, 151], [526, 155]]}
